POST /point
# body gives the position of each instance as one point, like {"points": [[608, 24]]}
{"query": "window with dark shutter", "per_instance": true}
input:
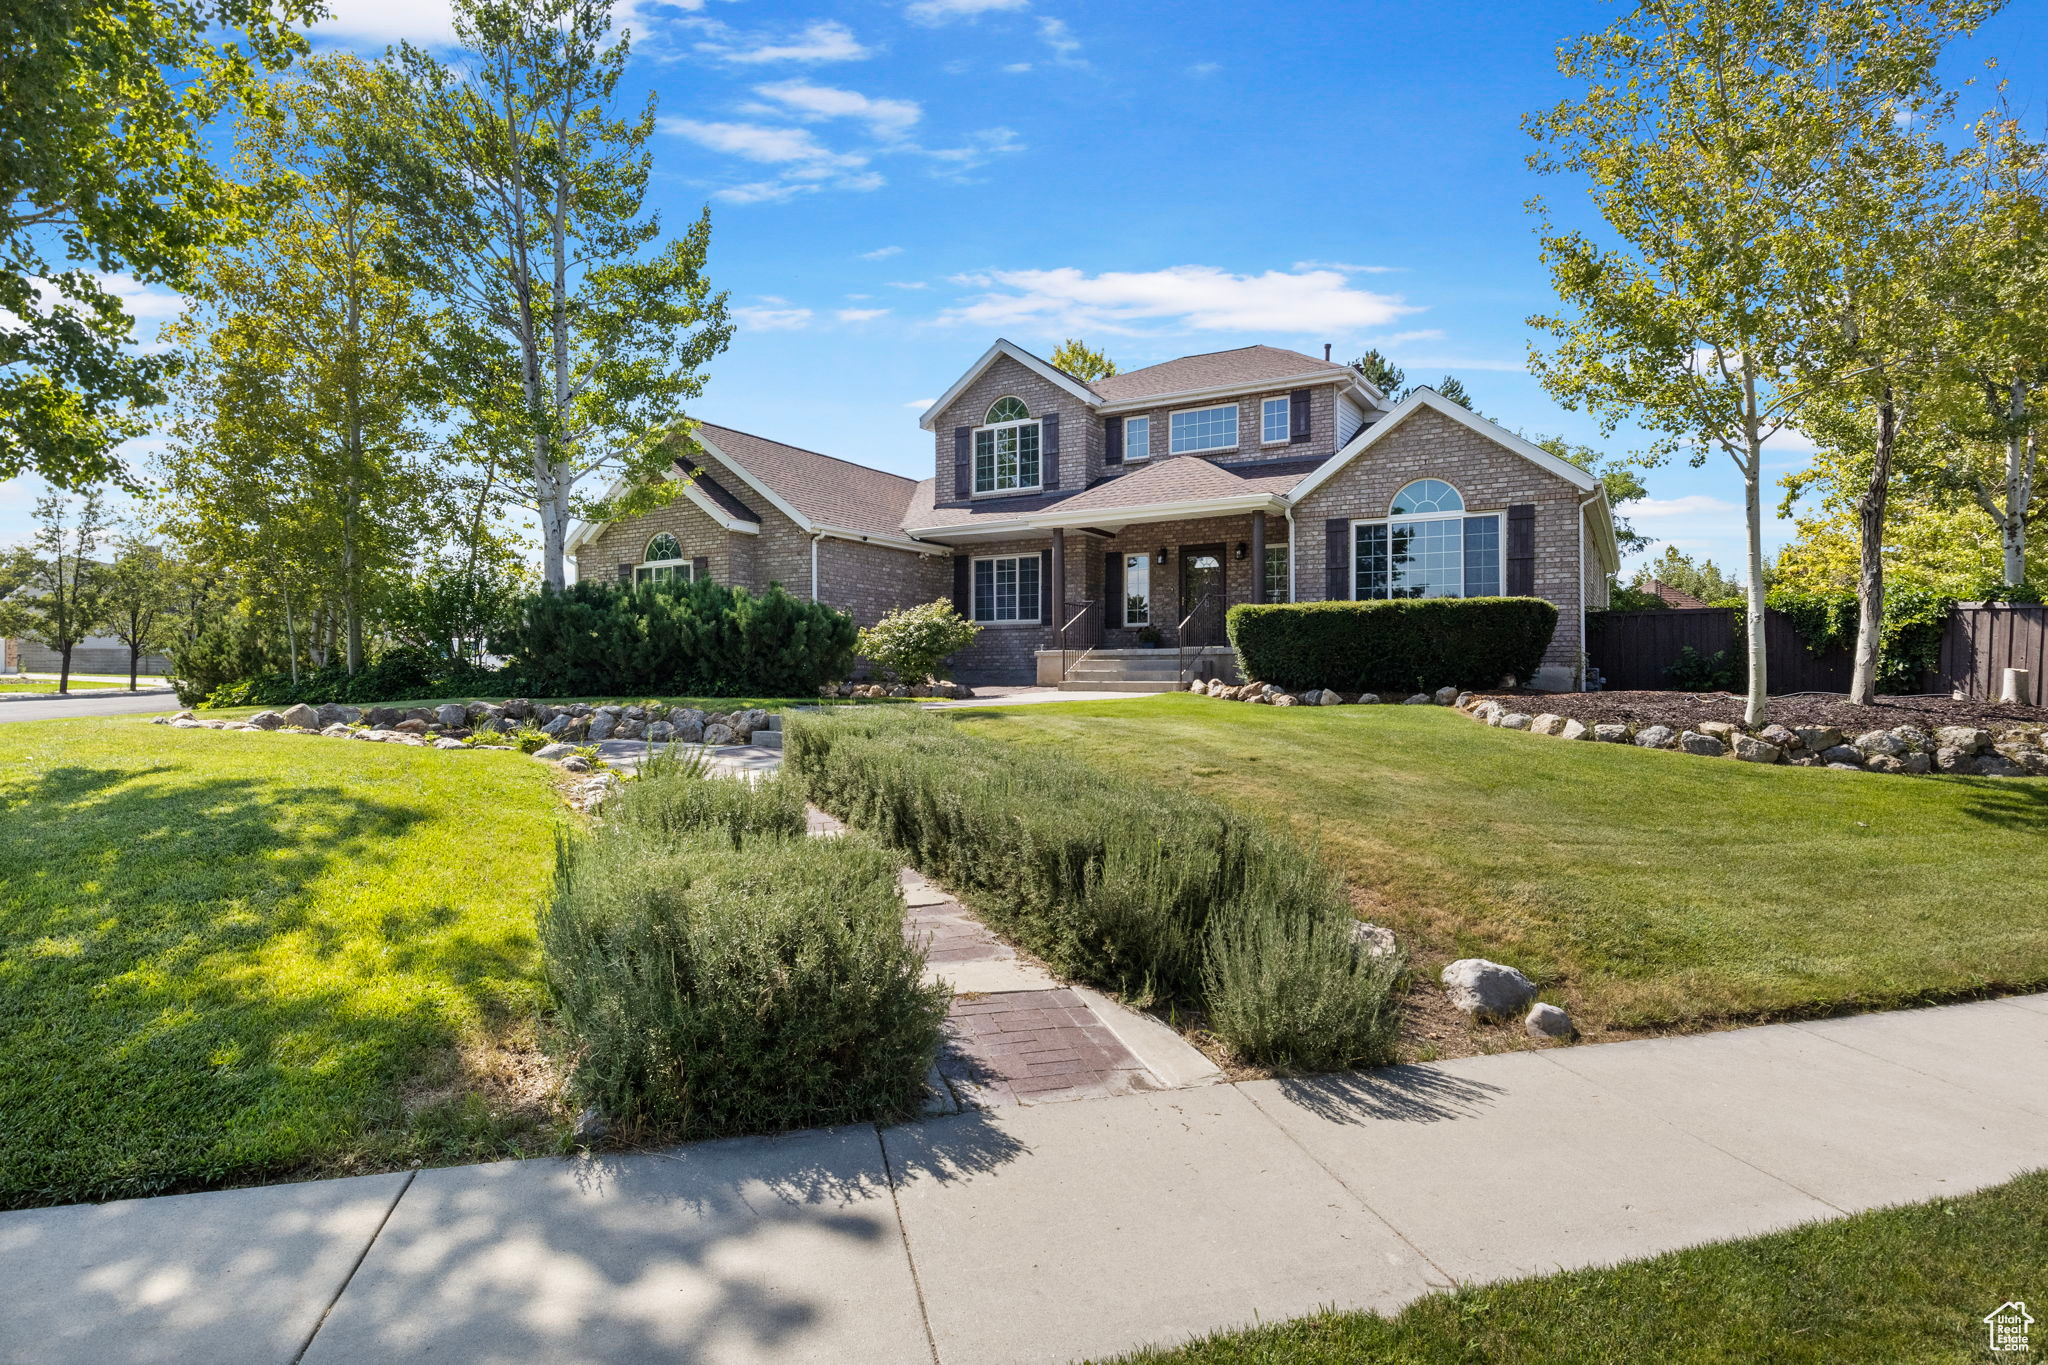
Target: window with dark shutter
{"points": [[963, 600], [700, 567], [1045, 587], [1336, 559], [1113, 589], [963, 459], [1113, 441], [1049, 449], [1298, 413], [1521, 556]]}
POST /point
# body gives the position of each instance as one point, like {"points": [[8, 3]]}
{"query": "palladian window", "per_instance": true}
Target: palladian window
{"points": [[1427, 547], [1006, 449], [664, 559]]}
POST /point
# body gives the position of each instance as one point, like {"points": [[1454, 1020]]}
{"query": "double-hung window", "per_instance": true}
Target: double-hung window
{"points": [[1137, 438], [1006, 449], [1198, 429], [1138, 590], [1427, 546], [664, 559], [1006, 589], [1276, 421], [1275, 570]]}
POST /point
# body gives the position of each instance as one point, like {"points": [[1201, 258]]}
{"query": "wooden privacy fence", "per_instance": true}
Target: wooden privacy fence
{"points": [[1981, 641], [1632, 649]]}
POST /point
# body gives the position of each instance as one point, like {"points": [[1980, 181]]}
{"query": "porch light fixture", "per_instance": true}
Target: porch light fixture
{"points": [[1162, 555], [1243, 549]]}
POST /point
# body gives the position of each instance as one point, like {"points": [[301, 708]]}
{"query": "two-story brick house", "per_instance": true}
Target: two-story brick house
{"points": [[1107, 519]]}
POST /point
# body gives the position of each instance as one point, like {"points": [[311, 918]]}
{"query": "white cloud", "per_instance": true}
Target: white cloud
{"points": [[881, 253], [1205, 68], [772, 314], [759, 142], [943, 11], [1688, 507], [1184, 298], [908, 284], [1017, 68], [861, 314], [886, 118], [920, 403], [1346, 267], [379, 22], [979, 148], [1055, 34], [826, 40]]}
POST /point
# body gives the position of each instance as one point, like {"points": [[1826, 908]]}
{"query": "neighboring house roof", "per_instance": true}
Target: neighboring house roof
{"points": [[1219, 370], [1674, 597]]}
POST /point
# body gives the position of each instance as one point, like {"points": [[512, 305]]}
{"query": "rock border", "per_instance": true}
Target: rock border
{"points": [[1907, 750], [1266, 694]]}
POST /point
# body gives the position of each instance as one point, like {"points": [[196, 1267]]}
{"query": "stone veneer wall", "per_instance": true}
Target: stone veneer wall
{"points": [[1489, 476]]}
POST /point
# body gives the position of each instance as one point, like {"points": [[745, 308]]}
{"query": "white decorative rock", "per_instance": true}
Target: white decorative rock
{"points": [[1573, 729], [1487, 990], [1548, 1021], [1516, 721], [1373, 940], [1330, 697], [1610, 732], [1549, 723], [449, 744]]}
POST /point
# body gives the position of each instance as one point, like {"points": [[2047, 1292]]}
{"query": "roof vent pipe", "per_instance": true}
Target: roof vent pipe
{"points": [[1326, 350]]}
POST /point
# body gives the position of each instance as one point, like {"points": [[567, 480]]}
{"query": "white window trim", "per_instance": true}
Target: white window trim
{"points": [[681, 566], [1237, 427], [974, 474], [1287, 406], [1146, 454], [1500, 519], [1037, 598], [1145, 558]]}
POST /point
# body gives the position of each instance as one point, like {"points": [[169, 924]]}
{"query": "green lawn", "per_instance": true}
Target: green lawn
{"points": [[1640, 888], [225, 957], [1897, 1285]]}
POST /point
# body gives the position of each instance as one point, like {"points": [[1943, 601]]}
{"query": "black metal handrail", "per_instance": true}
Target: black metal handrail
{"points": [[1065, 667], [1180, 640]]}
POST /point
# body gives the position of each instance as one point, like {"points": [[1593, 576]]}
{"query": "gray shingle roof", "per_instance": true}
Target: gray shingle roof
{"points": [[1188, 478], [1245, 365], [827, 490]]}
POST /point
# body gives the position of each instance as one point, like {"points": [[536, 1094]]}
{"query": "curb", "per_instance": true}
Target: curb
{"points": [[76, 694]]}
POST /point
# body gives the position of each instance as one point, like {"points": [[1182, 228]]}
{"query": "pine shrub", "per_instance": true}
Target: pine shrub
{"points": [[1160, 895], [718, 973]]}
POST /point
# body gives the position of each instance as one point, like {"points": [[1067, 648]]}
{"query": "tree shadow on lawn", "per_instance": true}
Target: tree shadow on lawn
{"points": [[2015, 803], [180, 1011]]}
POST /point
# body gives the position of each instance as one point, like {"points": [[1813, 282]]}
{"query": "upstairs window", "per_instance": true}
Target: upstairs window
{"points": [[1006, 449], [664, 559], [1276, 421], [1199, 429], [1137, 438]]}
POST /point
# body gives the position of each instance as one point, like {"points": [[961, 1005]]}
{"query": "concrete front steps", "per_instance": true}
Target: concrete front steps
{"points": [[1138, 670]]}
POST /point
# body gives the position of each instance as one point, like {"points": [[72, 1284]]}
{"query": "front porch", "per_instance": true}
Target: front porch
{"points": [[1156, 669]]}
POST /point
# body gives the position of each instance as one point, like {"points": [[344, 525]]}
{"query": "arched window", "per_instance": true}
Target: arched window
{"points": [[1008, 408], [1427, 495], [664, 560], [1006, 448]]}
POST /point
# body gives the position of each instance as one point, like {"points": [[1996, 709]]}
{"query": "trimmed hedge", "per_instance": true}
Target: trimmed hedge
{"points": [[1158, 894], [1408, 645], [719, 973], [671, 638]]}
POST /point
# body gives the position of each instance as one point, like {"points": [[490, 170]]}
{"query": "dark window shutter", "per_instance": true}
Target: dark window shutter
{"points": [[1049, 450], [963, 461], [625, 573], [1045, 587], [1113, 589], [700, 568], [1337, 559], [963, 595], [1298, 416], [1521, 555], [1113, 441]]}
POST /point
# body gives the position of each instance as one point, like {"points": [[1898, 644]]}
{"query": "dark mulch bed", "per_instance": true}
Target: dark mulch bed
{"points": [[1681, 709]]}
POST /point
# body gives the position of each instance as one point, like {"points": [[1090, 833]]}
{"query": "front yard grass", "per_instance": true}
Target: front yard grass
{"points": [[1641, 889], [228, 957], [1895, 1285]]}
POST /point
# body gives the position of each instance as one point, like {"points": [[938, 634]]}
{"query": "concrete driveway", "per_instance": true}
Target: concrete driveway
{"points": [[106, 704]]}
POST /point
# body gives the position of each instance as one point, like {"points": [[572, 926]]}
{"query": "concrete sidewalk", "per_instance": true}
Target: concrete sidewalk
{"points": [[1049, 1233]]}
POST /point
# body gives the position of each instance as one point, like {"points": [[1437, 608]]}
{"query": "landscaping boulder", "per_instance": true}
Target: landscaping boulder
{"points": [[1330, 696], [1884, 763], [1706, 746], [451, 714], [1785, 739], [1419, 699], [1950, 758], [1966, 739], [1914, 738], [420, 714], [684, 714], [1817, 738], [1574, 729], [302, 717], [483, 713], [1446, 696], [628, 728], [1549, 723], [384, 717], [689, 731], [748, 721], [1918, 764], [1750, 749], [552, 753], [1548, 1021], [1880, 744], [336, 731], [1719, 729], [1998, 765], [1610, 732], [1373, 940], [719, 734], [2033, 762], [1843, 756], [576, 763], [1368, 699], [1516, 720], [411, 726], [266, 720], [557, 725], [449, 744], [660, 731], [603, 723], [330, 713], [1464, 701], [519, 708], [1656, 737], [1284, 699], [1487, 990]]}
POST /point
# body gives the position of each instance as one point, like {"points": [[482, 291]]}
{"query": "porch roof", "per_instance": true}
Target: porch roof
{"points": [[1177, 489]]}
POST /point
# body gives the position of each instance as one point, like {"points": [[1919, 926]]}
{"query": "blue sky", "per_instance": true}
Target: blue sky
{"points": [[893, 185]]}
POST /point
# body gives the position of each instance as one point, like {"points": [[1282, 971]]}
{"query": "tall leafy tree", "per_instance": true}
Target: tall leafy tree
{"points": [[63, 600], [521, 189], [1694, 125], [106, 170], [1083, 361], [139, 593]]}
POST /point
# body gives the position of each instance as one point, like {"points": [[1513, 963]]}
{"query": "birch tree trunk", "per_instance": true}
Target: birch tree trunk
{"points": [[1756, 706], [1870, 520]]}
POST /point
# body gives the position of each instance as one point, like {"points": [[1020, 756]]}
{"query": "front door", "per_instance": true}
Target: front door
{"points": [[1201, 594]]}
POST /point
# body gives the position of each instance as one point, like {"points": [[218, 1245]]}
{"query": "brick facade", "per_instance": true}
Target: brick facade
{"points": [[1080, 429], [1322, 431]]}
